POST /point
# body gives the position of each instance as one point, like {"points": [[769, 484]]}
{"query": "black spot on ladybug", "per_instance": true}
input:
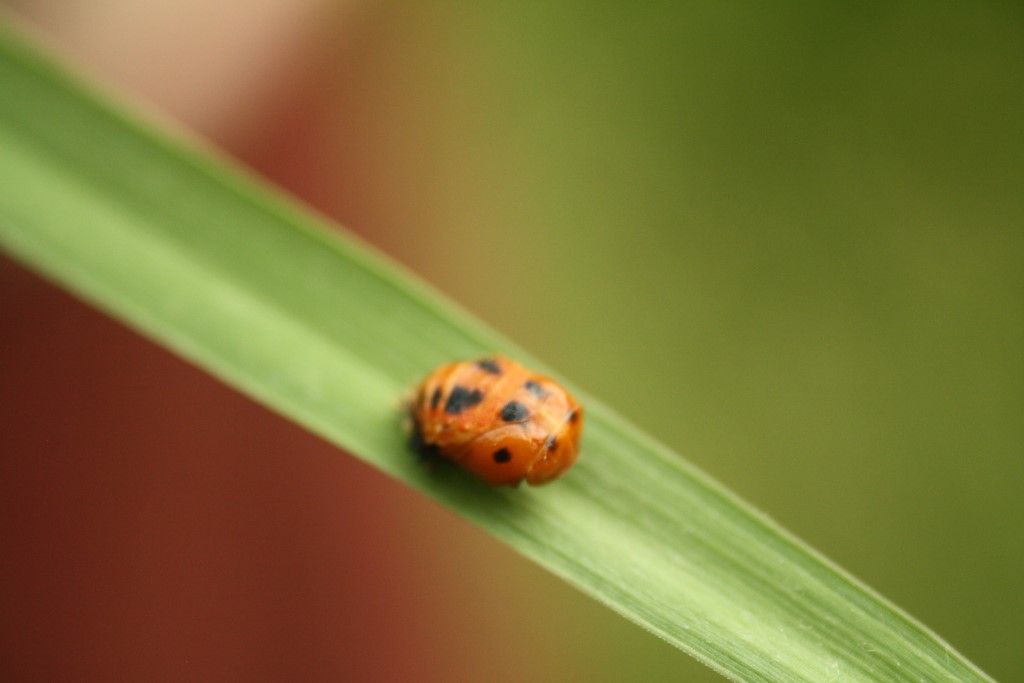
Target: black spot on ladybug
{"points": [[489, 365], [435, 398], [427, 451], [536, 389], [574, 417], [514, 411], [462, 398], [551, 444], [502, 455]]}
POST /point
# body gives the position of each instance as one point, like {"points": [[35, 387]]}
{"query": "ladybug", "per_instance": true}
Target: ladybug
{"points": [[498, 420]]}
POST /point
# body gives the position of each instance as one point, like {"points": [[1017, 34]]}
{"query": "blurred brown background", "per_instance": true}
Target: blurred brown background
{"points": [[786, 241]]}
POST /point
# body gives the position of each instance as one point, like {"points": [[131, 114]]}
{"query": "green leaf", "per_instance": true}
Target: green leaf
{"points": [[265, 295]]}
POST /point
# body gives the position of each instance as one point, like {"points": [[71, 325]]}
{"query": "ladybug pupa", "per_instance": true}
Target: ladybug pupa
{"points": [[499, 420]]}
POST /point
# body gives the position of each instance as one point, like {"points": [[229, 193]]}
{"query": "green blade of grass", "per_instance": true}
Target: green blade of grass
{"points": [[262, 294]]}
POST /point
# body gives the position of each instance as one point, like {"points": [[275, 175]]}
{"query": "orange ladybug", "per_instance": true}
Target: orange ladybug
{"points": [[498, 420]]}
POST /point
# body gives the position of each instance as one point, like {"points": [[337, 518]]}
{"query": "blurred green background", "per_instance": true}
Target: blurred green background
{"points": [[786, 240]]}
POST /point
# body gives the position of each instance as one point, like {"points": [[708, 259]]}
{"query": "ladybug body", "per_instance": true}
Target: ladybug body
{"points": [[498, 420]]}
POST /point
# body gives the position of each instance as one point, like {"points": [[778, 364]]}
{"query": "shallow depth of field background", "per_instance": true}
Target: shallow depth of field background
{"points": [[787, 241]]}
